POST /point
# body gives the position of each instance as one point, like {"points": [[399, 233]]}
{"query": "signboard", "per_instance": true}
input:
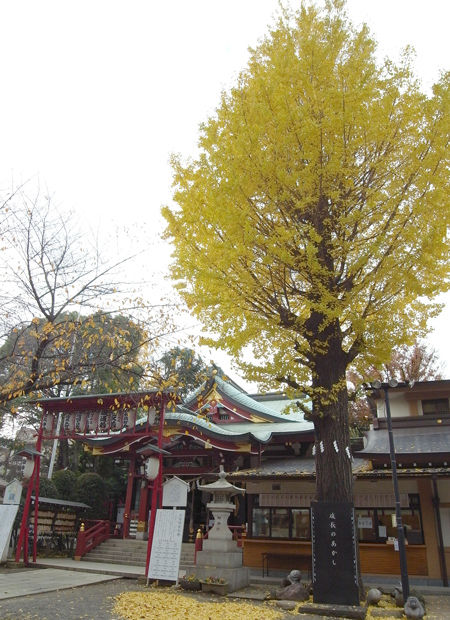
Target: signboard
{"points": [[13, 493], [166, 545], [7, 515], [335, 560], [364, 523], [175, 492], [301, 500]]}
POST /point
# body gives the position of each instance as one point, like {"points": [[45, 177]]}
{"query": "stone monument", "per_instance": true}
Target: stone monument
{"points": [[221, 556]]}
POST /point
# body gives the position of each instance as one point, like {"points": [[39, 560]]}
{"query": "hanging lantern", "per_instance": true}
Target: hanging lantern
{"points": [[28, 468], [151, 415], [151, 468], [69, 423], [129, 418], [116, 420], [92, 421], [47, 422], [103, 422], [80, 422]]}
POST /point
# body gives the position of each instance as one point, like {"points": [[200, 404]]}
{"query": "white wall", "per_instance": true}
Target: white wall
{"points": [[399, 406]]}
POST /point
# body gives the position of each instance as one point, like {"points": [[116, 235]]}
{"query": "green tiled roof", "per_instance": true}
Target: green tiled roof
{"points": [[249, 404]]}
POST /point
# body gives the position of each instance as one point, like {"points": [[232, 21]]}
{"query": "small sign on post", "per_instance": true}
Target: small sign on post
{"points": [[175, 492], [13, 492]]}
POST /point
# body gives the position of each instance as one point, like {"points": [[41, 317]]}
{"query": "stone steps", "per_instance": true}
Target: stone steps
{"points": [[132, 553]]}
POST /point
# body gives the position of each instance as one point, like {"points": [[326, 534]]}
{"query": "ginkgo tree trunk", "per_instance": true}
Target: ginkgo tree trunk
{"points": [[310, 233]]}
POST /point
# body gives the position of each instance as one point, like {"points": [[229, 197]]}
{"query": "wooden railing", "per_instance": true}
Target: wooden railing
{"points": [[90, 538]]}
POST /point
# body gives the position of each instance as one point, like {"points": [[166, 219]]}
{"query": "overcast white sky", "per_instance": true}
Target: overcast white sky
{"points": [[96, 94]]}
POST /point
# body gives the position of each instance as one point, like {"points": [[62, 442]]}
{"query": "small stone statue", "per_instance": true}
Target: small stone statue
{"points": [[397, 594], [413, 608], [292, 588], [373, 596]]}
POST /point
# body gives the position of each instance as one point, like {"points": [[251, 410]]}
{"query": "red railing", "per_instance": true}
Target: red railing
{"points": [[238, 532], [90, 538]]}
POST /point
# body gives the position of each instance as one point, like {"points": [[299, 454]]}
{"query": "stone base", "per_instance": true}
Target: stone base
{"points": [[386, 613], [217, 544], [334, 611], [236, 578], [223, 559]]}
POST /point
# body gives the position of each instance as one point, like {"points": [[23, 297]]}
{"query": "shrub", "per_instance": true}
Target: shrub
{"points": [[47, 488], [91, 489], [65, 482]]}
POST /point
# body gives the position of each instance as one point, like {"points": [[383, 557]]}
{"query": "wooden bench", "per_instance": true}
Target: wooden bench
{"points": [[294, 557]]}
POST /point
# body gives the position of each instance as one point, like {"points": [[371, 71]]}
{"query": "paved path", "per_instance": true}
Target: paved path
{"points": [[121, 570], [29, 581], [92, 602]]}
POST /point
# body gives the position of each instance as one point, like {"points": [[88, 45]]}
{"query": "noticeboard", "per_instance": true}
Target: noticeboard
{"points": [[166, 545]]}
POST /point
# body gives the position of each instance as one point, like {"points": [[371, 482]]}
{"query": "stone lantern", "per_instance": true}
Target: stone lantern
{"points": [[221, 555]]}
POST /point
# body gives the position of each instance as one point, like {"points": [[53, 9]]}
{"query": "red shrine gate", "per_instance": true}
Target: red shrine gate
{"points": [[135, 415]]}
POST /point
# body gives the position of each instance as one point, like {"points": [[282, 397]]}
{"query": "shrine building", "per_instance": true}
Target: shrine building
{"points": [[270, 453]]}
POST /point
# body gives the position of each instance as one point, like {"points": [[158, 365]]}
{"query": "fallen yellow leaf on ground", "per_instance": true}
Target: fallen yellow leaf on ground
{"points": [[170, 605]]}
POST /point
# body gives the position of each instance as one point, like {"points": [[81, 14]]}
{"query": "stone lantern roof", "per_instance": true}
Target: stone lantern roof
{"points": [[221, 486]]}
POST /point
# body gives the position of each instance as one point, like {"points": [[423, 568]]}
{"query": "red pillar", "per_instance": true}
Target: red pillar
{"points": [[143, 500], [129, 495], [32, 484], [156, 489]]}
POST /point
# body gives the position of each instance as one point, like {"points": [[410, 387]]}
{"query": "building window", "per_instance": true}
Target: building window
{"points": [[435, 406], [366, 524], [278, 522], [374, 525], [261, 522], [377, 524], [224, 416], [301, 523]]}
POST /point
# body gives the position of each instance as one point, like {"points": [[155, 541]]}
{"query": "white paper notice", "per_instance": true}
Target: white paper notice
{"points": [[166, 546]]}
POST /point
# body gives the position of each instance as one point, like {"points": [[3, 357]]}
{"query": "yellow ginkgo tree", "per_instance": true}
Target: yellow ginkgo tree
{"points": [[311, 229]]}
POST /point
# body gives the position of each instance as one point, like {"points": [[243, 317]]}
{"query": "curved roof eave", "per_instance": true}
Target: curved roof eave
{"points": [[247, 402], [212, 429]]}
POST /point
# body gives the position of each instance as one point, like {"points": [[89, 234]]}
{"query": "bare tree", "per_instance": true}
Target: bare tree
{"points": [[62, 321]]}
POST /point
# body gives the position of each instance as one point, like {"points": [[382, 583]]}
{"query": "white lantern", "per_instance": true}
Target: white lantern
{"points": [[69, 422], [80, 422], [129, 418], [151, 415], [116, 420], [151, 468], [103, 421], [92, 421], [28, 468], [47, 422]]}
